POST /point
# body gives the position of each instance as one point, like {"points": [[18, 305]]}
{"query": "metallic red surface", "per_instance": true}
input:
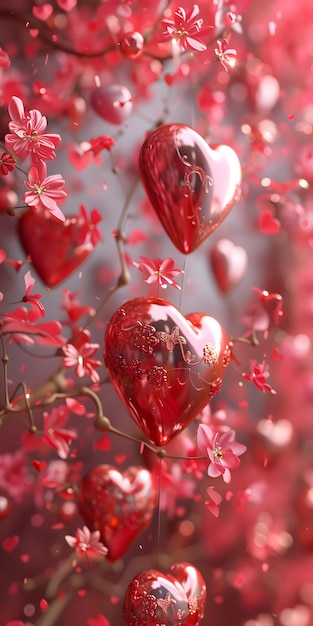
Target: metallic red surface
{"points": [[164, 366], [191, 186]]}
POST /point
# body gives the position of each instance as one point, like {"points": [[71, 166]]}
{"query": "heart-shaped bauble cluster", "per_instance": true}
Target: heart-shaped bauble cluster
{"points": [[191, 186], [155, 599], [119, 505], [56, 248], [164, 366]]}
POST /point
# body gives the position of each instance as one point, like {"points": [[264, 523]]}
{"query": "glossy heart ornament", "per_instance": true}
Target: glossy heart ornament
{"points": [[113, 103], [119, 505], [157, 599], [56, 248], [229, 263], [164, 366], [191, 186]]}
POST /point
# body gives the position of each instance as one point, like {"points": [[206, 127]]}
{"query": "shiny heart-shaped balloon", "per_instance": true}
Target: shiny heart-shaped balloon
{"points": [[176, 598], [229, 263], [164, 366], [56, 248], [119, 505], [113, 103], [191, 186]]}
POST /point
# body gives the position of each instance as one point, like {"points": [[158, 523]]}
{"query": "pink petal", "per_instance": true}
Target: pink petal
{"points": [[16, 109], [204, 438], [196, 44]]}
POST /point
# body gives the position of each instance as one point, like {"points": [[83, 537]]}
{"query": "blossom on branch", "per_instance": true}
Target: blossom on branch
{"points": [[184, 29], [225, 55], [158, 271], [20, 325], [90, 233], [80, 359], [55, 435], [45, 190], [87, 543], [27, 137], [222, 450], [258, 375], [7, 163], [32, 299]]}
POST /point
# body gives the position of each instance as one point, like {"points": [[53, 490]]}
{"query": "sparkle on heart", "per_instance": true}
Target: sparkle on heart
{"points": [[55, 247], [119, 505], [164, 366], [191, 186], [158, 599]]}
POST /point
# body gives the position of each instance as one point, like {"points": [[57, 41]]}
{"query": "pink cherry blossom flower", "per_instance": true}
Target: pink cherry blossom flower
{"points": [[258, 376], [45, 190], [103, 142], [73, 308], [184, 29], [225, 55], [21, 326], [158, 271], [80, 359], [86, 543], [7, 163], [33, 299], [27, 136], [55, 435], [222, 450], [90, 233], [213, 502]]}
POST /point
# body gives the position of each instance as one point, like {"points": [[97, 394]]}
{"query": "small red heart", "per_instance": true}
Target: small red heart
{"points": [[164, 366], [55, 247], [268, 224], [119, 505], [43, 12], [229, 263], [80, 160], [158, 599]]}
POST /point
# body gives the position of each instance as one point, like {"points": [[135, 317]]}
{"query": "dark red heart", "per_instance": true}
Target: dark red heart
{"points": [[191, 186], [164, 366], [157, 599], [56, 248], [119, 505]]}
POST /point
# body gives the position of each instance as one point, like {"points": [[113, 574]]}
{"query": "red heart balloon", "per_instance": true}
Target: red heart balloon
{"points": [[191, 186], [229, 263], [119, 505], [113, 103], [156, 599], [164, 366], [55, 247]]}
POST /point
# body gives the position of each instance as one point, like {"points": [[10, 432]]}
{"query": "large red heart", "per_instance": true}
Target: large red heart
{"points": [[119, 505], [164, 366], [56, 248], [156, 599], [191, 186]]}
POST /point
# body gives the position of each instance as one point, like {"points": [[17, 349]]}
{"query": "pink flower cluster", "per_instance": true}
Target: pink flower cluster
{"points": [[29, 139]]}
